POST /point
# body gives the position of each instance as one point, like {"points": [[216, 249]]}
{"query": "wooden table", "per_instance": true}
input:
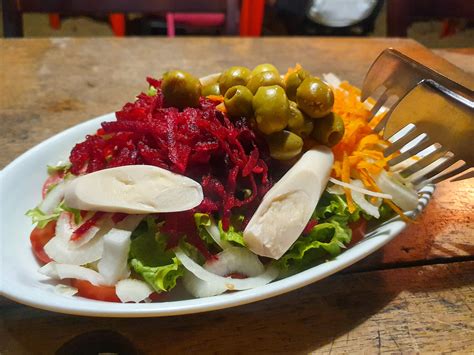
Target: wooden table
{"points": [[414, 295]]}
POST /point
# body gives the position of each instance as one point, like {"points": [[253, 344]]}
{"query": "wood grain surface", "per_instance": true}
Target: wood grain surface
{"points": [[47, 85], [407, 310]]}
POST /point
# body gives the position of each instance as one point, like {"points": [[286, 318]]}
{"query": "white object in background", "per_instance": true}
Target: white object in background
{"points": [[340, 13]]}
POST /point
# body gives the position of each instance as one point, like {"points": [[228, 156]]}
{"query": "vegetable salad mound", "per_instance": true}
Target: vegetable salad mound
{"points": [[266, 153]]}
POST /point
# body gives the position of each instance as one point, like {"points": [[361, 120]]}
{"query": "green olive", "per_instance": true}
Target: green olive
{"points": [[328, 130], [284, 145], [263, 68], [180, 89], [271, 109], [211, 89], [298, 123], [314, 97], [293, 81], [232, 77], [238, 101], [266, 78]]}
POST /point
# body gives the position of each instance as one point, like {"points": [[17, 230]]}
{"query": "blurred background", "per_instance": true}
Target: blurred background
{"points": [[434, 23]]}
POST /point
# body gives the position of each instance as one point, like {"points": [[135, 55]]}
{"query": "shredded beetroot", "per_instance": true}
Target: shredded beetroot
{"points": [[80, 231], [225, 156], [118, 217]]}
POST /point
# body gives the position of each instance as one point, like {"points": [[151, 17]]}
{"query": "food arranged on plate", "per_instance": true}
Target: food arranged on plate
{"points": [[223, 183]]}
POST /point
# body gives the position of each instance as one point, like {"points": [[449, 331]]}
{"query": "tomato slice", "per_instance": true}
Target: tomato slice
{"points": [[358, 230], [51, 180], [100, 293], [104, 293], [39, 237]]}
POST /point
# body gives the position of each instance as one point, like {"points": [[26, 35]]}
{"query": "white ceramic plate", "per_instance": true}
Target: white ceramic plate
{"points": [[20, 190]]}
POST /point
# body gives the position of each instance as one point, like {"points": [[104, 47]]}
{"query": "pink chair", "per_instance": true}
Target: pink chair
{"points": [[193, 19]]}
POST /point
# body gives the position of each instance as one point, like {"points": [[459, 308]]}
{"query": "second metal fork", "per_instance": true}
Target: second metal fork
{"points": [[431, 123]]}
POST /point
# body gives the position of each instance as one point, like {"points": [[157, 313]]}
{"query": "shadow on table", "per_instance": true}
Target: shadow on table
{"points": [[300, 321]]}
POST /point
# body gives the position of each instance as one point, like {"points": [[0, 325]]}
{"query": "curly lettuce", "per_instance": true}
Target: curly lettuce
{"points": [[150, 258], [41, 219], [326, 239]]}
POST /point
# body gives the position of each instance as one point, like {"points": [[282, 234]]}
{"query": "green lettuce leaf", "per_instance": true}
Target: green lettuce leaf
{"points": [[41, 219], [335, 206], [203, 220], [161, 278], [150, 258], [63, 167], [325, 241], [235, 233], [152, 91]]}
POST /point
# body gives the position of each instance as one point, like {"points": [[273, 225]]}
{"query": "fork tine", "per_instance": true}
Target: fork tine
{"points": [[423, 144], [378, 105], [436, 169], [401, 142], [465, 176], [423, 162], [450, 173]]}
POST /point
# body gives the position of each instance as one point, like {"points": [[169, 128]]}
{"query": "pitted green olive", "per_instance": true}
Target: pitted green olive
{"points": [[328, 130], [298, 123], [271, 109], [180, 89], [263, 68], [314, 97], [284, 145], [211, 89], [232, 77], [238, 101], [293, 81], [266, 78]]}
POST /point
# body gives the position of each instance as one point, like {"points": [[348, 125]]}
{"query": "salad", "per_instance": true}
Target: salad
{"points": [[220, 184]]}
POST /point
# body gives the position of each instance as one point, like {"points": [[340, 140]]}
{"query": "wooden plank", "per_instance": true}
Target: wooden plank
{"points": [[423, 309]]}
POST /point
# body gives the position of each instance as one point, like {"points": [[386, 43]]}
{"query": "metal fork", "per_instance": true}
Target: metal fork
{"points": [[432, 119]]}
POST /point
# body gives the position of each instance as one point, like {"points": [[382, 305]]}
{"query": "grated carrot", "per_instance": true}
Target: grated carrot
{"points": [[291, 71], [359, 153], [399, 212], [221, 107], [218, 98]]}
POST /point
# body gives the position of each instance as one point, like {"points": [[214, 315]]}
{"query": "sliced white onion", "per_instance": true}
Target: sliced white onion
{"points": [[65, 290], [213, 231], [131, 290], [269, 275], [131, 222], [332, 80], [209, 79], [67, 271], [230, 260], [235, 260], [113, 265], [200, 288], [59, 249], [360, 200], [335, 190], [86, 237], [65, 227], [53, 198], [360, 189], [403, 196]]}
